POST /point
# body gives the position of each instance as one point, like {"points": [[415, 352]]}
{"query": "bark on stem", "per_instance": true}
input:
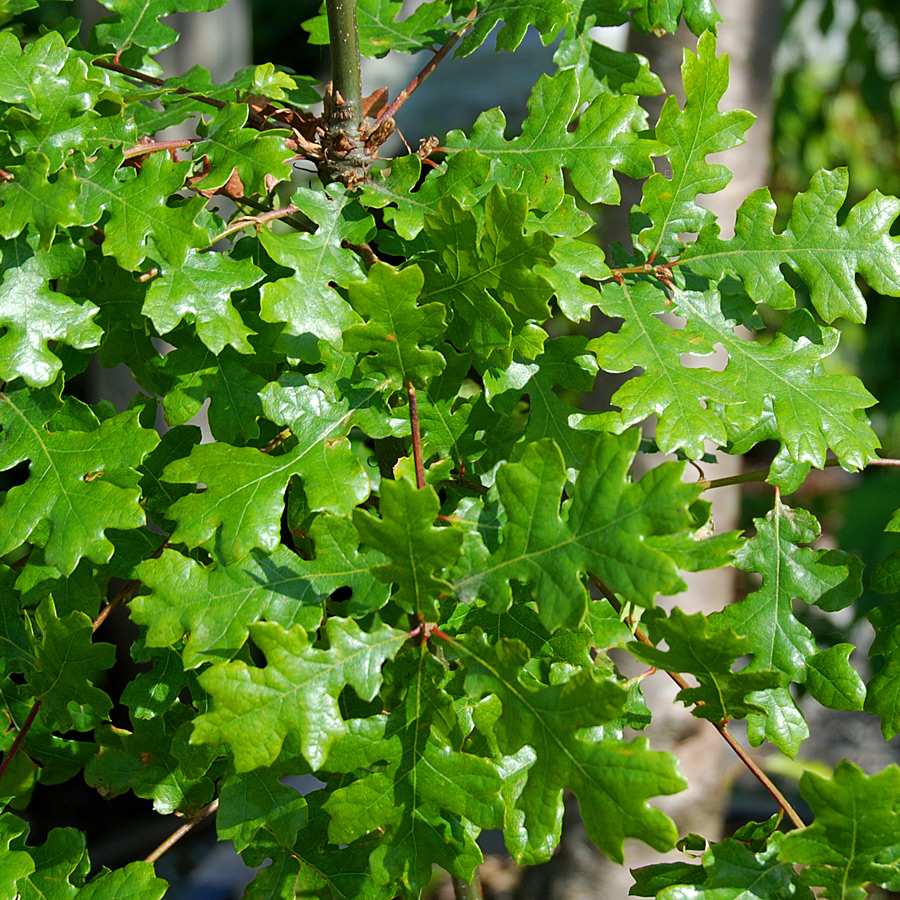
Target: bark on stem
{"points": [[345, 71], [343, 152]]}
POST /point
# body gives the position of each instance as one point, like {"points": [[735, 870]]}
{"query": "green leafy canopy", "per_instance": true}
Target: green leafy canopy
{"points": [[362, 513]]}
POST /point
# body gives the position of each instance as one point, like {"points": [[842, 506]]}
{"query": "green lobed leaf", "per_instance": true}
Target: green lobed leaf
{"points": [[199, 291], [606, 139], [255, 709], [613, 781], [489, 276], [137, 22], [254, 802], [883, 691], [380, 33], [708, 655], [777, 390], [407, 197], [141, 222], [29, 196], [600, 68], [259, 159], [395, 326], [215, 605], [830, 579], [692, 133], [15, 865], [81, 482], [606, 528], [825, 255], [730, 870], [565, 363], [155, 761], [155, 690], [126, 337], [245, 487], [135, 881], [547, 18], [65, 665], [56, 114], [33, 313], [21, 65], [419, 552], [314, 868], [418, 802], [60, 867], [231, 381], [853, 839], [663, 15], [306, 302]]}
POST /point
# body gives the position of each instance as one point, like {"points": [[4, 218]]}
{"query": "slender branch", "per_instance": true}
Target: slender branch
{"points": [[467, 890], [758, 475], [146, 149], [307, 226], [257, 120], [262, 219], [17, 742], [427, 69], [721, 727], [157, 82], [416, 435], [363, 251], [760, 775], [179, 833], [279, 439], [123, 596]]}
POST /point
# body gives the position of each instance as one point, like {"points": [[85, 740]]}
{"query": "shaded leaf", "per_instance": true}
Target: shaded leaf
{"points": [[489, 274], [395, 326], [607, 528], [709, 656], [215, 605], [65, 666], [418, 551], [416, 803], [245, 487], [155, 761]]}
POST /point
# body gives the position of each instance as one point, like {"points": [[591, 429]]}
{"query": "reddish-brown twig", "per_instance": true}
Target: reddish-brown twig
{"points": [[416, 436], [721, 727], [179, 833], [427, 69], [155, 147], [17, 742]]}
